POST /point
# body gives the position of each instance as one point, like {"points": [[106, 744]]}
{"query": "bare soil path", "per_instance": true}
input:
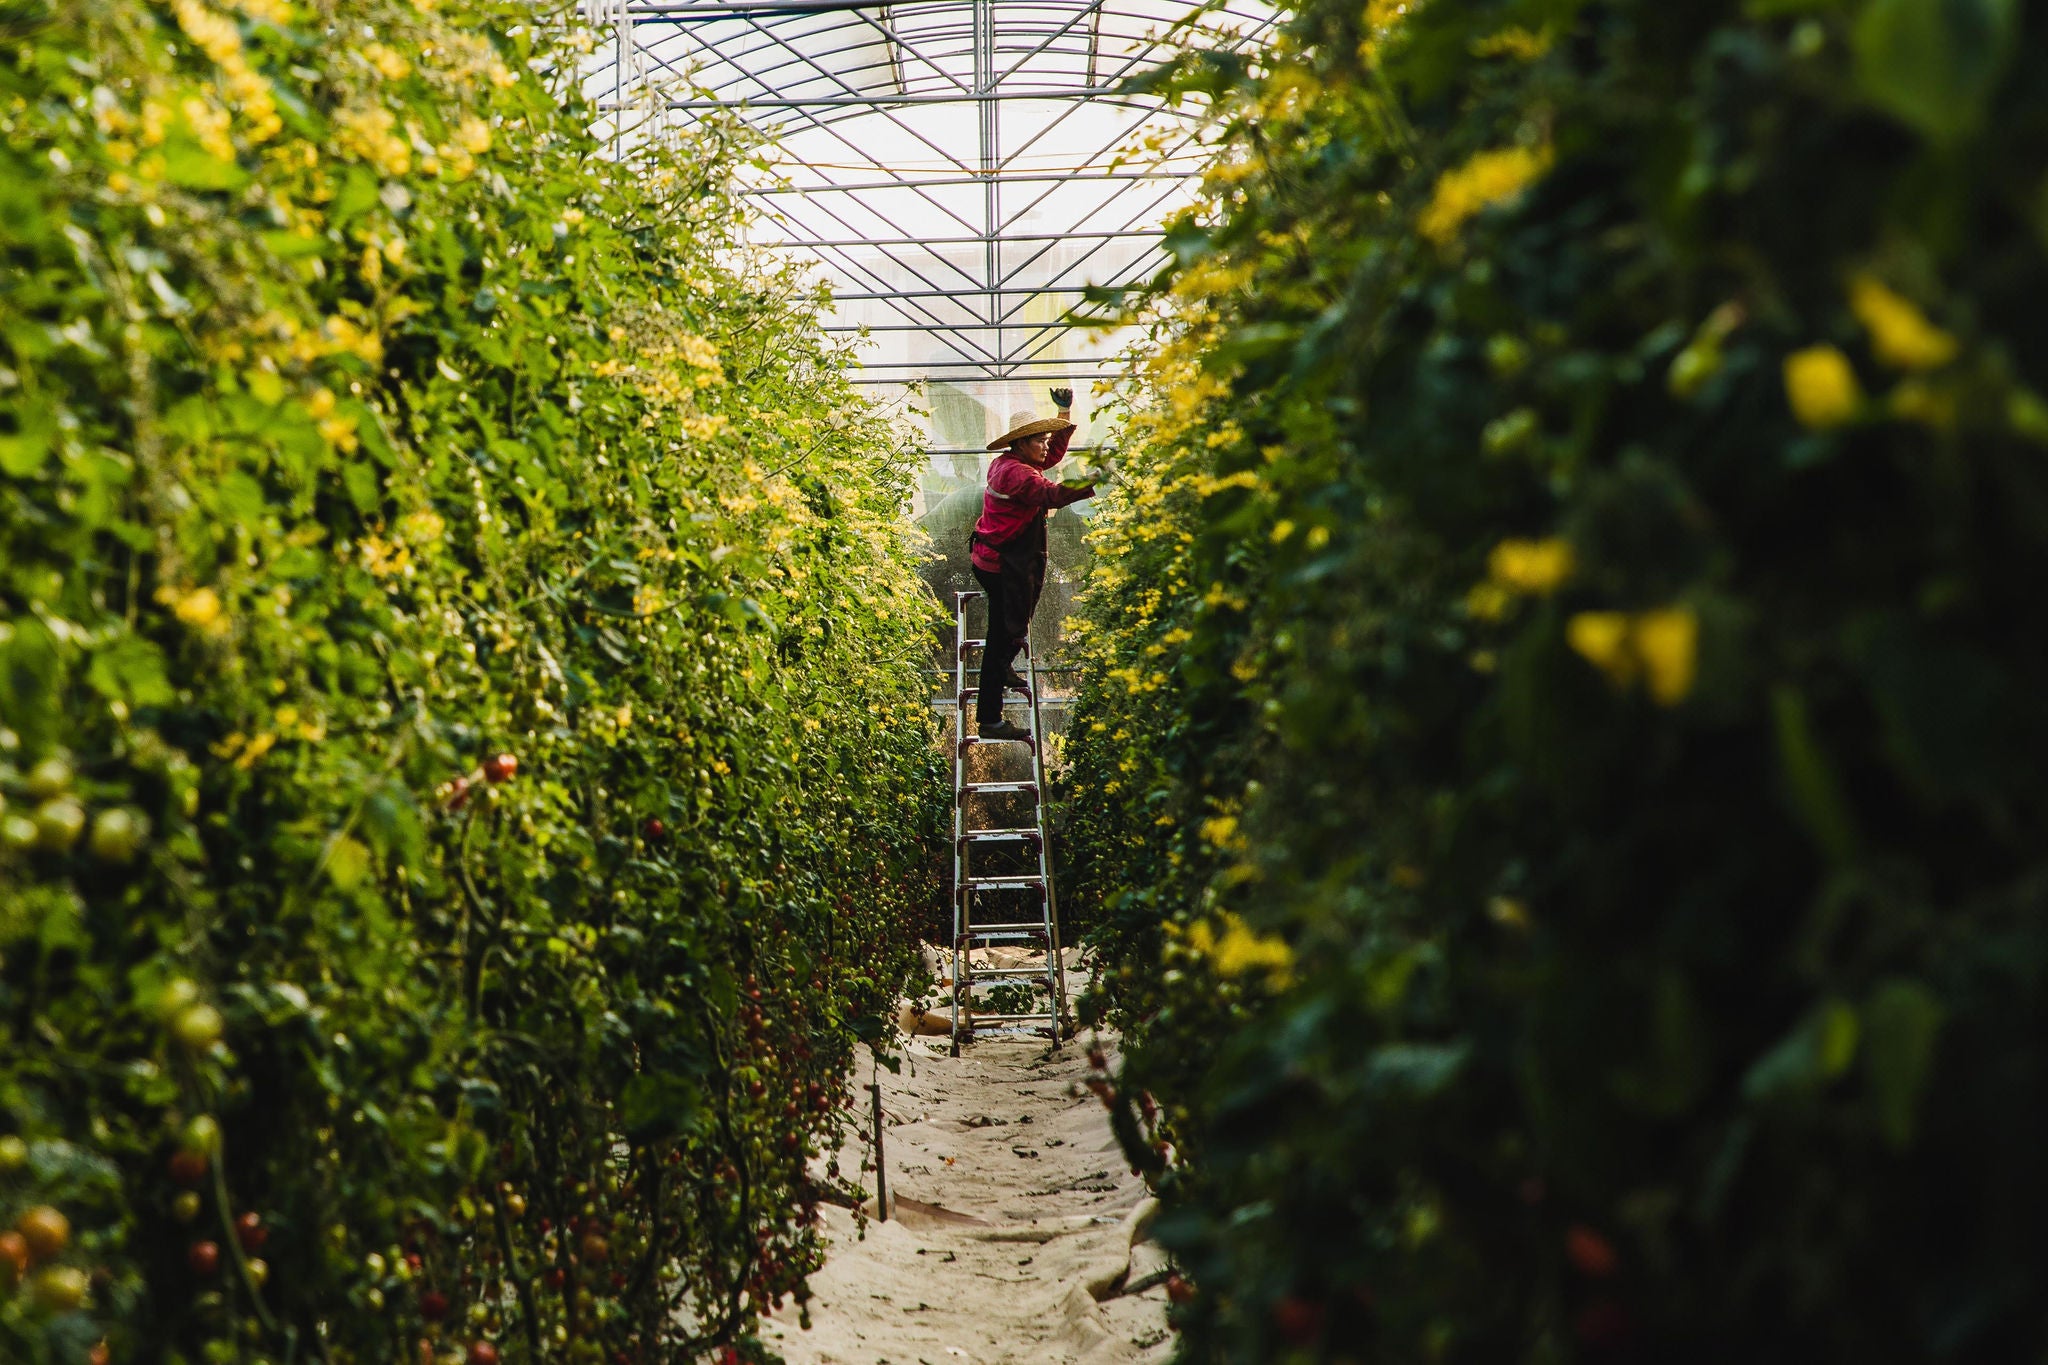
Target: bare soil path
{"points": [[1010, 1230]]}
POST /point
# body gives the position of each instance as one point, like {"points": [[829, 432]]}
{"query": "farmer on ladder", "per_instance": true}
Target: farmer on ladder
{"points": [[1008, 548]]}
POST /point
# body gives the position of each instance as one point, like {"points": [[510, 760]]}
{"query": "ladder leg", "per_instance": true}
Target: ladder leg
{"points": [[960, 911]]}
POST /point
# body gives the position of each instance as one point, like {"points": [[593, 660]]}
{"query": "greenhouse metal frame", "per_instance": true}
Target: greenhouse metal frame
{"points": [[960, 169]]}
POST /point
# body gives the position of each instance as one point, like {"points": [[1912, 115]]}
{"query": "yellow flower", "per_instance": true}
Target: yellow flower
{"points": [[474, 136], [384, 558], [1821, 387], [339, 432], [1661, 647], [1239, 949], [1218, 830], [199, 609], [390, 65], [1487, 179], [1668, 641], [1899, 332], [1536, 567]]}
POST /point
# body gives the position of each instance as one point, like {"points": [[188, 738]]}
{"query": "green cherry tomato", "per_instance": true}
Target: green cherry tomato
{"points": [[117, 834], [59, 822], [51, 777], [202, 1134], [197, 1027], [60, 1288], [18, 833]]}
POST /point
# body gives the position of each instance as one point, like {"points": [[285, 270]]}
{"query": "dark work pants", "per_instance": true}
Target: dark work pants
{"points": [[1012, 595]]}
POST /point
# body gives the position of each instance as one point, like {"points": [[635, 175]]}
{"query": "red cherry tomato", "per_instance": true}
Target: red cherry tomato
{"points": [[433, 1305], [1589, 1252], [204, 1258], [501, 767], [13, 1257], [1299, 1321], [188, 1168], [482, 1353], [250, 1232]]}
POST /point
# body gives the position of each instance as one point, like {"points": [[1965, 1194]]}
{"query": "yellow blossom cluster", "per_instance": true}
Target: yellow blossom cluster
{"points": [[1239, 950], [371, 133], [385, 558], [1899, 332], [1487, 179], [1821, 387], [197, 608], [216, 35], [1660, 647]]}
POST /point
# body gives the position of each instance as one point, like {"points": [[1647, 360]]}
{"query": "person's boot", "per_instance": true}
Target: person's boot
{"points": [[1002, 729], [1015, 682]]}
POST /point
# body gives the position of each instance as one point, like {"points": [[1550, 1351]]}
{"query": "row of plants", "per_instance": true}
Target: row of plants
{"points": [[1554, 787], [465, 768]]}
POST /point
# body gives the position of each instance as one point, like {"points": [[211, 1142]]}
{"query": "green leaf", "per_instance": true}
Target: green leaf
{"points": [[22, 454], [1418, 1069], [358, 195], [348, 864], [1816, 796], [190, 166], [1934, 63], [131, 669], [1901, 1022], [659, 1105], [365, 490]]}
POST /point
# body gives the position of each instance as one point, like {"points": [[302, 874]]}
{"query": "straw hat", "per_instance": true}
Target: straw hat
{"points": [[1023, 424]]}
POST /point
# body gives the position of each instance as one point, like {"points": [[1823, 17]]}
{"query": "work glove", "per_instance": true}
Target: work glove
{"points": [[1063, 397]]}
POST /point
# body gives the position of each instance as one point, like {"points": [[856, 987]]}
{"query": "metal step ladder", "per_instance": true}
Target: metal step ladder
{"points": [[974, 927]]}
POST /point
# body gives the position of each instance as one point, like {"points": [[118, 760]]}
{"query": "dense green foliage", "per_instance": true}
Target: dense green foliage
{"points": [[1557, 775], [362, 421]]}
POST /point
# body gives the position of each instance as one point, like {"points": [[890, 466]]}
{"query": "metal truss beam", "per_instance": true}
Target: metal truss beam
{"points": [[961, 169]]}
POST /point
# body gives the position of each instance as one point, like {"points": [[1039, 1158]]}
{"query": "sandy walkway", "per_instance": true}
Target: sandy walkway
{"points": [[1011, 1203]]}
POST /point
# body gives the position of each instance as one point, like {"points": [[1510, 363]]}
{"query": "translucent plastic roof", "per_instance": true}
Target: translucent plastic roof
{"points": [[959, 168]]}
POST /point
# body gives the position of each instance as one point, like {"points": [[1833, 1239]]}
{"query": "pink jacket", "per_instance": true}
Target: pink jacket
{"points": [[1016, 493]]}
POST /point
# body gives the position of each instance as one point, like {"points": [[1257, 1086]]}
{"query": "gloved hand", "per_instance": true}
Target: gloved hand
{"points": [[1063, 397]]}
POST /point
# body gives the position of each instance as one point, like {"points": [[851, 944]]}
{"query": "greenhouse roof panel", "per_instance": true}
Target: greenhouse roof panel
{"points": [[960, 169]]}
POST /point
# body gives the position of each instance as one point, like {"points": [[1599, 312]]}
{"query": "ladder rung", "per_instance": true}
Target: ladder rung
{"points": [[972, 740], [969, 694], [999, 789], [981, 1018], [991, 836], [1037, 973], [1023, 647], [1021, 929], [1033, 883]]}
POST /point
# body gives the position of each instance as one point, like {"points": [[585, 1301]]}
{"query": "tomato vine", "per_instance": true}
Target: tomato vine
{"points": [[465, 758], [1547, 780]]}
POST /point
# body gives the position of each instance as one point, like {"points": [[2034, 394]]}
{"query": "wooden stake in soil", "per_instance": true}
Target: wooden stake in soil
{"points": [[881, 1172]]}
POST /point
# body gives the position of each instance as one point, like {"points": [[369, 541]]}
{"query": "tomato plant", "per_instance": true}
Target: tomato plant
{"points": [[464, 754], [1548, 784]]}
